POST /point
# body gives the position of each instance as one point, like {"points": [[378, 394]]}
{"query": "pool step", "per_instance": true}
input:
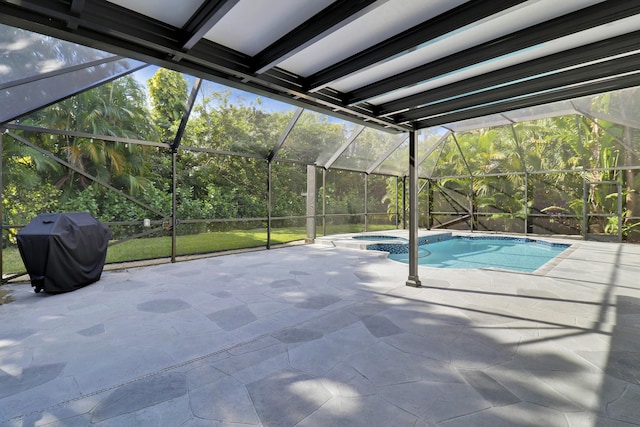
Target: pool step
{"points": [[423, 253]]}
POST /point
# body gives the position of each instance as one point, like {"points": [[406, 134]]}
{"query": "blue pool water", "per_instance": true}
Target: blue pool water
{"points": [[486, 252]]}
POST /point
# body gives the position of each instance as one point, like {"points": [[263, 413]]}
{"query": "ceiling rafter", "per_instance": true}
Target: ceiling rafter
{"points": [[408, 40], [583, 19], [76, 10], [330, 19], [575, 57], [204, 20], [107, 26], [77, 6], [596, 71], [108, 18]]}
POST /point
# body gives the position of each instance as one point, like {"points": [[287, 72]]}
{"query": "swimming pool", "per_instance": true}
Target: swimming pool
{"points": [[519, 254]]}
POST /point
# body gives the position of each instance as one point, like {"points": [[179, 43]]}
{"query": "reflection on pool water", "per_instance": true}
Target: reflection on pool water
{"points": [[519, 254]]}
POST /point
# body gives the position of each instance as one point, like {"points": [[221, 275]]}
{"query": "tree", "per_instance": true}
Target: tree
{"points": [[115, 109], [618, 112], [168, 92], [35, 183]]}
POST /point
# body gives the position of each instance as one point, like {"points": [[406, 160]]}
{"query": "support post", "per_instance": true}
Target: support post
{"points": [[366, 202], [269, 204], [472, 206], [397, 213], [324, 202], [174, 160], [620, 208], [311, 203], [1, 213], [526, 204], [428, 207], [585, 209], [404, 202], [174, 203], [413, 279]]}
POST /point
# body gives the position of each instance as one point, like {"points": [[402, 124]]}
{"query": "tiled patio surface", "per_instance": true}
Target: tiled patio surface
{"points": [[327, 336]]}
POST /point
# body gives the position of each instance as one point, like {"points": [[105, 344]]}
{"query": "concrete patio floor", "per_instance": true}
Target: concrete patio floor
{"points": [[318, 335]]}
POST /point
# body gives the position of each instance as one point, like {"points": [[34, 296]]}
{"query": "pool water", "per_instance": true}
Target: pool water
{"points": [[504, 253]]}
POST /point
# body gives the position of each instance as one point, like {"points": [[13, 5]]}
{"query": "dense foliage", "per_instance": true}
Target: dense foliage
{"points": [[222, 171], [494, 177], [486, 171]]}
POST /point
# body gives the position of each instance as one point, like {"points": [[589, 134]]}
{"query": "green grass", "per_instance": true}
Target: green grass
{"points": [[160, 247]]}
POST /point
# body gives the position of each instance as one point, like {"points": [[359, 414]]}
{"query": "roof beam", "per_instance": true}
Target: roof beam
{"points": [[77, 6], [408, 40], [541, 84], [113, 28], [580, 20], [204, 19], [571, 58], [107, 26], [76, 9], [330, 19]]}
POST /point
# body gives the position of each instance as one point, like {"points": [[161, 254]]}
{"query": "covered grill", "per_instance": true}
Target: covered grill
{"points": [[63, 251]]}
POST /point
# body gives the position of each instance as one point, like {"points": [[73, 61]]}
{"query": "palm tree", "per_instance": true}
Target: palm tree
{"points": [[113, 109]]}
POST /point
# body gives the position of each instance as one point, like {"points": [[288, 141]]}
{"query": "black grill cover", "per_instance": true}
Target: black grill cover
{"points": [[63, 251]]}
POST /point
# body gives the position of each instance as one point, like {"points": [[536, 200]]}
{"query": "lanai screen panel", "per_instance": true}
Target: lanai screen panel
{"points": [[451, 202], [500, 202], [381, 205], [479, 123], [556, 203], [116, 109], [30, 55], [553, 143], [490, 150], [450, 160], [560, 108], [428, 142], [430, 145], [369, 146], [315, 138], [232, 120], [396, 163], [620, 106], [37, 70], [555, 151], [428, 165], [345, 201]]}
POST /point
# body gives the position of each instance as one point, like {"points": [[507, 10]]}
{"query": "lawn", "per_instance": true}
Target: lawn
{"points": [[160, 247]]}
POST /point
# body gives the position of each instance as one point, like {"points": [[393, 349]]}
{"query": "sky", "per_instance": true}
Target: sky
{"points": [[239, 96]]}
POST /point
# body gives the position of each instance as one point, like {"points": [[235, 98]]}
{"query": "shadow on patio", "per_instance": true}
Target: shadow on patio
{"points": [[322, 336]]}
